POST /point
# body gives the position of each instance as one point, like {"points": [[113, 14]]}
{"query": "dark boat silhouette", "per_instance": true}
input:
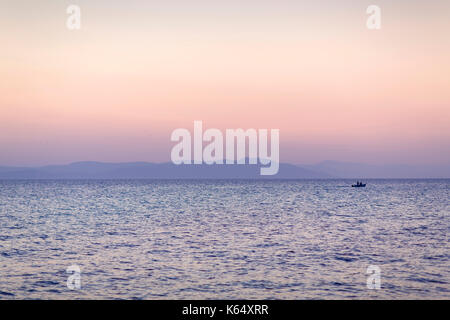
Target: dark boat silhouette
{"points": [[358, 185]]}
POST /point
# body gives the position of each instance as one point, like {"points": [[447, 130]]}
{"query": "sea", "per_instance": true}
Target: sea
{"points": [[224, 239]]}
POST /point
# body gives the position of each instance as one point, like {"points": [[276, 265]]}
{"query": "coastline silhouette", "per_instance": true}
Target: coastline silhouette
{"points": [[168, 170]]}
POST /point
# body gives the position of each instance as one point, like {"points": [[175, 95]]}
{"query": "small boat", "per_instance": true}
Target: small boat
{"points": [[358, 185], [362, 185]]}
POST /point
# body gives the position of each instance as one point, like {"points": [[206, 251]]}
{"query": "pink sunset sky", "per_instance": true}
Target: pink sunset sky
{"points": [[116, 89]]}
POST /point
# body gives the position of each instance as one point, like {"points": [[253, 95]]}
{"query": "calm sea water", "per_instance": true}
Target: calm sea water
{"points": [[224, 239]]}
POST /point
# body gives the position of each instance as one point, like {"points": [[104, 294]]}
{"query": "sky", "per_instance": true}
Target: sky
{"points": [[137, 70]]}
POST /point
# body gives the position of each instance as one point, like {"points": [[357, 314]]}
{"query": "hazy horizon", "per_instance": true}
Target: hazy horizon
{"points": [[49, 163], [168, 170], [31, 165]]}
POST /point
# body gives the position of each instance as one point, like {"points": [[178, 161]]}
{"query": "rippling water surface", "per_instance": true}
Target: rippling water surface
{"points": [[199, 239]]}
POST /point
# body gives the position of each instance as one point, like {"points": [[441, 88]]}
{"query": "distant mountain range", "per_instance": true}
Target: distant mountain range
{"points": [[146, 170]]}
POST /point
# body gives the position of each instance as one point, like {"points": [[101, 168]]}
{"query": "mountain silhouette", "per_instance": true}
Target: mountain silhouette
{"points": [[147, 170], [168, 170]]}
